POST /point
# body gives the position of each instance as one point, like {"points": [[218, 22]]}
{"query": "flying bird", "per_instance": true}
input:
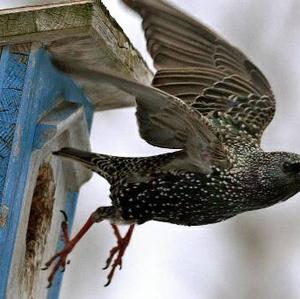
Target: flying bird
{"points": [[210, 104]]}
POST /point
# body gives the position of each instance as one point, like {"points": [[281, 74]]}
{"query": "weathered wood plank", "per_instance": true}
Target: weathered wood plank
{"points": [[79, 32]]}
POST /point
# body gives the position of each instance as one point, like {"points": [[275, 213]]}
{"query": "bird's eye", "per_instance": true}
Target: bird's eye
{"points": [[291, 167]]}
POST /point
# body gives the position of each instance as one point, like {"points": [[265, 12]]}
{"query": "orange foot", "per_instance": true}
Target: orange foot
{"points": [[120, 248], [69, 245]]}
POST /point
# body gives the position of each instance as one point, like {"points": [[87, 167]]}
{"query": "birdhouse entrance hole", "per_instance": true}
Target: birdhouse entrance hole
{"points": [[39, 222]]}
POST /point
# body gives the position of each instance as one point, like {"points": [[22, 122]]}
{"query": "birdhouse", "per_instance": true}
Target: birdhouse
{"points": [[43, 110]]}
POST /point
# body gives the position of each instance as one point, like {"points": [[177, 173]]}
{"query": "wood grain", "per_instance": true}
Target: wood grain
{"points": [[79, 32]]}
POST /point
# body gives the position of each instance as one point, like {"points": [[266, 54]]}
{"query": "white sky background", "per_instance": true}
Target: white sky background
{"points": [[254, 255]]}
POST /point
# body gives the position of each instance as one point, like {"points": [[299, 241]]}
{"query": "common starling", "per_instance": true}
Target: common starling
{"points": [[211, 104]]}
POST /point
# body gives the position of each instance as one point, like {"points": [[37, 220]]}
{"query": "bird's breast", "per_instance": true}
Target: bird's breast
{"points": [[187, 199]]}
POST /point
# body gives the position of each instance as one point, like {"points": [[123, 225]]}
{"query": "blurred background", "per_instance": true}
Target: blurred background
{"points": [[254, 255]]}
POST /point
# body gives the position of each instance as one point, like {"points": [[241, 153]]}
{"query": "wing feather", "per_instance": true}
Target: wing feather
{"points": [[198, 66], [167, 121]]}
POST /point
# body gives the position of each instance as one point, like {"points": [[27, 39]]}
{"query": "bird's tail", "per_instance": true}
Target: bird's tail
{"points": [[114, 168], [85, 158], [96, 162]]}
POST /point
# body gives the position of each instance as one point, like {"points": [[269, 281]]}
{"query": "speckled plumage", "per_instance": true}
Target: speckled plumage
{"points": [[144, 189], [209, 102]]}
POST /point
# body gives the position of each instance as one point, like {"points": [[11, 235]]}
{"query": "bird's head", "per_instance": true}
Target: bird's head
{"points": [[284, 168], [276, 175], [290, 167]]}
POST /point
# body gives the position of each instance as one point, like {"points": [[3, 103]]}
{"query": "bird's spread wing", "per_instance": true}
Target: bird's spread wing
{"points": [[207, 73], [176, 125]]}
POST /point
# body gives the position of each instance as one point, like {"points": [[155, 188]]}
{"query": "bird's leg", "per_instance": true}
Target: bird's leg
{"points": [[120, 248], [114, 250], [100, 214]]}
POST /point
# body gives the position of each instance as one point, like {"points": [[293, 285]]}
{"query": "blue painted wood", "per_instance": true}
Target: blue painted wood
{"points": [[50, 127], [29, 88], [12, 76]]}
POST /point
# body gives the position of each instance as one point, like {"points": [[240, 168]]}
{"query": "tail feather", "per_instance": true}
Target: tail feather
{"points": [[102, 164], [85, 158], [114, 168], [109, 167]]}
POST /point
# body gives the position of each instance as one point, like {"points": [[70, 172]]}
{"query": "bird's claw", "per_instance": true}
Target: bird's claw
{"points": [[120, 248], [60, 265], [62, 255], [112, 253]]}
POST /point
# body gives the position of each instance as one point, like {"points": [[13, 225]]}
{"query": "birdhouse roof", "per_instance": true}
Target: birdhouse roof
{"points": [[79, 33]]}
